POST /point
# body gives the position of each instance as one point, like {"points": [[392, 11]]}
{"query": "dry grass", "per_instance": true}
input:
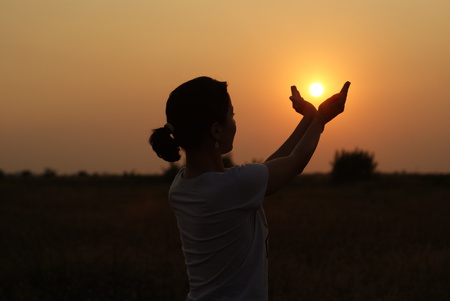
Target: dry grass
{"points": [[116, 239]]}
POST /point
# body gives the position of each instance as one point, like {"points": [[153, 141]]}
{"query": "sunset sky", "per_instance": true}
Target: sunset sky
{"points": [[83, 82]]}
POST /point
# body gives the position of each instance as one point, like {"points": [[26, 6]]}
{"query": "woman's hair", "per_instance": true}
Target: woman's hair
{"points": [[190, 110]]}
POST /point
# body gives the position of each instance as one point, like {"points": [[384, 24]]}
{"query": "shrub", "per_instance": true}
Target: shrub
{"points": [[170, 172], [351, 166], [49, 173], [82, 174], [25, 174], [227, 161]]}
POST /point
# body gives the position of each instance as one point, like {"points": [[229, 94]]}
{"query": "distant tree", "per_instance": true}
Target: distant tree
{"points": [[227, 161], [130, 174], [25, 174], [82, 174], [170, 172], [350, 166], [49, 173], [259, 160]]}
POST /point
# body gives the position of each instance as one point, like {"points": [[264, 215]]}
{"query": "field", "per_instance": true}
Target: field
{"points": [[115, 238]]}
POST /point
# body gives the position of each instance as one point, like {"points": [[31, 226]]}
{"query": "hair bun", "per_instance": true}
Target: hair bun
{"points": [[164, 144]]}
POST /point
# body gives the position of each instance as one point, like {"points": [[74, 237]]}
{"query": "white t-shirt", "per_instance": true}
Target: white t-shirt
{"points": [[224, 233]]}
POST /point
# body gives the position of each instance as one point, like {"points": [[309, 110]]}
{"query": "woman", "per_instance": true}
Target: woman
{"points": [[219, 211]]}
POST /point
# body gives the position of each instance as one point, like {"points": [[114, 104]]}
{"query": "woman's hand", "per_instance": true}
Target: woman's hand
{"points": [[300, 105], [334, 105]]}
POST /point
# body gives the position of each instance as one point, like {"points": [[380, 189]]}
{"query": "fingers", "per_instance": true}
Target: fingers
{"points": [[295, 92], [293, 89], [344, 89]]}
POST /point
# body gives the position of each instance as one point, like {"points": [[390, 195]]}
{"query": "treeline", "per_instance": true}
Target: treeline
{"points": [[347, 167], [403, 179], [167, 174], [82, 176]]}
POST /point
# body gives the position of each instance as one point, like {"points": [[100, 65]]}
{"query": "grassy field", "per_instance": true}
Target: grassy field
{"points": [[116, 239]]}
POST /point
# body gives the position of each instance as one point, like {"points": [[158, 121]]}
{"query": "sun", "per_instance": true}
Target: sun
{"points": [[316, 89]]}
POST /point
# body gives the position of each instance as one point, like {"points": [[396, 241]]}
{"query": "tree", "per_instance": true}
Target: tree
{"points": [[49, 173], [170, 172], [351, 166], [227, 161], [82, 174], [25, 174]]}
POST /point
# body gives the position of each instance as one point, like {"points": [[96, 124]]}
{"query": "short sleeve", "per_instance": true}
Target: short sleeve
{"points": [[251, 183]]}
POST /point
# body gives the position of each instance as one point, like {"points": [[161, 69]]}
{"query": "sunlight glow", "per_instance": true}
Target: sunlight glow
{"points": [[316, 89]]}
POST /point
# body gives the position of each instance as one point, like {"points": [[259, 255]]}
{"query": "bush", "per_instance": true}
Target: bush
{"points": [[227, 161], [25, 174], [352, 166], [170, 172], [49, 173], [82, 174]]}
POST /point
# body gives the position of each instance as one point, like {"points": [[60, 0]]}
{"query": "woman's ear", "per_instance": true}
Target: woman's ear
{"points": [[215, 131]]}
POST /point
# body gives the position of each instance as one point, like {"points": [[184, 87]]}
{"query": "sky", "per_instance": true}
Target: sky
{"points": [[84, 82]]}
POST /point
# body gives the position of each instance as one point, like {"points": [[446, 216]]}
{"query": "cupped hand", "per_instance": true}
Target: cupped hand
{"points": [[334, 105], [300, 105]]}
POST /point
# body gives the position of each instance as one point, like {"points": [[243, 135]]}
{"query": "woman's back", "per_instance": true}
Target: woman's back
{"points": [[224, 232]]}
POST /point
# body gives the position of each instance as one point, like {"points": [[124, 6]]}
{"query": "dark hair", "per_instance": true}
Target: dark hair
{"points": [[191, 110]]}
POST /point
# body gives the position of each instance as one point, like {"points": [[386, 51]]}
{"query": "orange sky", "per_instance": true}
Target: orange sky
{"points": [[83, 82]]}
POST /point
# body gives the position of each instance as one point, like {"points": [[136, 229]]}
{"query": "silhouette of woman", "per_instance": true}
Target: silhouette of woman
{"points": [[219, 211]]}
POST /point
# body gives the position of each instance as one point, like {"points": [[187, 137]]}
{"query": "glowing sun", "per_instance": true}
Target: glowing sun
{"points": [[316, 89]]}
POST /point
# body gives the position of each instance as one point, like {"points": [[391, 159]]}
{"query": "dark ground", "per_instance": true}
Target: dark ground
{"points": [[114, 238]]}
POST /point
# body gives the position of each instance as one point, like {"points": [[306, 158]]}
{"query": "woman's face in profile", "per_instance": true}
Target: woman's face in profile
{"points": [[226, 141]]}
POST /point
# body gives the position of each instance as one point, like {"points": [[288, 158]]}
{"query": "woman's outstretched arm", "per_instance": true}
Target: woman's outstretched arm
{"points": [[283, 168], [308, 111]]}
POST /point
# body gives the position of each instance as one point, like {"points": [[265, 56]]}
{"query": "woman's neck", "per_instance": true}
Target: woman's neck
{"points": [[202, 160]]}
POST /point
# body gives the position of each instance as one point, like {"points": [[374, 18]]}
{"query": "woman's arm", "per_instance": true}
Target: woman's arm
{"points": [[309, 112], [287, 147], [284, 168]]}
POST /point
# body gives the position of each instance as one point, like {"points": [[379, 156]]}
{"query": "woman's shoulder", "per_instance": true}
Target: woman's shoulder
{"points": [[248, 173], [248, 168], [244, 171]]}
